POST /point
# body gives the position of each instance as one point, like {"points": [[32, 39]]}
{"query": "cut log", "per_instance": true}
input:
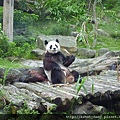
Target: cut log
{"points": [[51, 94], [19, 97], [96, 65]]}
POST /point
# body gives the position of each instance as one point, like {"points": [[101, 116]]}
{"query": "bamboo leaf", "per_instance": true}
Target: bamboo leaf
{"points": [[5, 75], [80, 85], [85, 89], [92, 85], [77, 83]]}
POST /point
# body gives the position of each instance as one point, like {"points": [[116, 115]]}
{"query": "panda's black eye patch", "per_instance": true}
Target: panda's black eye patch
{"points": [[51, 47], [56, 46]]}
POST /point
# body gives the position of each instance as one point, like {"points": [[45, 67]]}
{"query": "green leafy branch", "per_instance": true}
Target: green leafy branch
{"points": [[79, 86]]}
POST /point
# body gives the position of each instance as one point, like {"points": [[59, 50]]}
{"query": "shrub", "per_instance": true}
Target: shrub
{"points": [[1, 14], [19, 51], [22, 21], [62, 10], [3, 43], [20, 40], [20, 48], [59, 29]]}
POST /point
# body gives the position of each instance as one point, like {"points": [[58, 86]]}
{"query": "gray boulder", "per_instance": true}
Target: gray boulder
{"points": [[112, 53], [102, 32], [66, 42], [102, 51], [89, 108], [86, 53], [38, 53], [117, 53], [74, 33]]}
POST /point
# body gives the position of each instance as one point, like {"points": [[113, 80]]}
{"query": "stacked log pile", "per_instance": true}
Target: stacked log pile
{"points": [[108, 61], [46, 97]]}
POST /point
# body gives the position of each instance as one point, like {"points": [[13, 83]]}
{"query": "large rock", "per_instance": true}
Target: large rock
{"points": [[102, 51], [67, 42], [32, 63], [38, 53], [74, 33], [112, 53], [89, 108], [102, 32], [86, 53], [117, 53]]}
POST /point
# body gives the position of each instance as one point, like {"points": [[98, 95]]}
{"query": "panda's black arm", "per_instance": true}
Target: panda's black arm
{"points": [[68, 60]]}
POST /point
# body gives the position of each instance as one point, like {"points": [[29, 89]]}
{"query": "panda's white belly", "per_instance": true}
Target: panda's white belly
{"points": [[64, 69], [48, 74]]}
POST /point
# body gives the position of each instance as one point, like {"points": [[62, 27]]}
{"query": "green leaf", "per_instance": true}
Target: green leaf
{"points": [[80, 85], [77, 83], [92, 85], [85, 89]]}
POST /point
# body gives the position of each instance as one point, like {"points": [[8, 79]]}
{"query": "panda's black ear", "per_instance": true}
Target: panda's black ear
{"points": [[57, 40], [46, 42]]}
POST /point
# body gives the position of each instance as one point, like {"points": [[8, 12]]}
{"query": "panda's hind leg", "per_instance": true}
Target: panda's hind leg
{"points": [[76, 75], [57, 76]]}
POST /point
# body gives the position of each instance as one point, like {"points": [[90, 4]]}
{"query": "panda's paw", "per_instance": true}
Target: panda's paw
{"points": [[57, 68], [72, 57]]}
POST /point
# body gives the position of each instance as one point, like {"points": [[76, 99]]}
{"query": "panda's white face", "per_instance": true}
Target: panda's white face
{"points": [[53, 47]]}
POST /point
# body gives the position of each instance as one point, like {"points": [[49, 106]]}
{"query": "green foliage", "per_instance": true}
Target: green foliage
{"points": [[19, 51], [23, 18], [7, 109], [110, 4], [79, 85], [62, 10], [5, 76], [107, 42], [112, 15], [111, 41], [20, 40], [13, 50], [4, 63], [3, 42], [56, 9], [1, 14], [52, 28], [22, 114], [26, 110], [61, 28], [21, 22], [21, 47]]}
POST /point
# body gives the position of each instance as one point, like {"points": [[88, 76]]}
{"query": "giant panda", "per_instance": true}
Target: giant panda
{"points": [[55, 67], [56, 64]]}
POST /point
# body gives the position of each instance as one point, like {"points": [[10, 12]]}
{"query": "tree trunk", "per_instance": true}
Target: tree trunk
{"points": [[95, 26], [8, 18]]}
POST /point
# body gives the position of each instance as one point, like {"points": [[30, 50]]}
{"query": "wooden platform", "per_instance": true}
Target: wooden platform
{"points": [[44, 97]]}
